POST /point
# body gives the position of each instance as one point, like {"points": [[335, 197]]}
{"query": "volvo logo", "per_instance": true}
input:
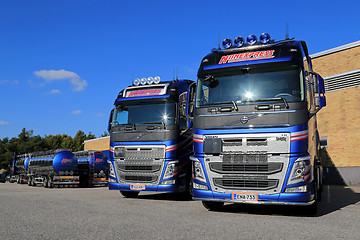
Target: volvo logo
{"points": [[244, 119]]}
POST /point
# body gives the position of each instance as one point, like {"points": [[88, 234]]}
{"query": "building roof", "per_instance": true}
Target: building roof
{"points": [[96, 139], [336, 49]]}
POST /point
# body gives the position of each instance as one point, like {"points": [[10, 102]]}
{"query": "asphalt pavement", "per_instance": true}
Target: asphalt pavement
{"points": [[98, 213]]}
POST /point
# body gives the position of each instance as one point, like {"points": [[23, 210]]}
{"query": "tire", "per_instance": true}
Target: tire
{"points": [[33, 182], [129, 194], [213, 206], [45, 183], [188, 194]]}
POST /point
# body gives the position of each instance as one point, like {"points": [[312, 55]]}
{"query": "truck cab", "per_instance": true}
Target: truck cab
{"points": [[151, 138], [255, 128]]}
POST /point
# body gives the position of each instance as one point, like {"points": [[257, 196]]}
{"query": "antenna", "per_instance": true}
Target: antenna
{"points": [[287, 31], [218, 40], [177, 76]]}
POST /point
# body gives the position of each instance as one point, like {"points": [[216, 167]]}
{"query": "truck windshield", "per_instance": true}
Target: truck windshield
{"points": [[162, 112], [247, 85]]}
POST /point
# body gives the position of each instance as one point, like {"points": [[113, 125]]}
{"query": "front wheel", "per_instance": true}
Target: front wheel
{"points": [[129, 194], [213, 206]]}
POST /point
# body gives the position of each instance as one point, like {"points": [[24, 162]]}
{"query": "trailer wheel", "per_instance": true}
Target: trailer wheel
{"points": [[129, 194], [45, 183], [50, 184], [33, 183], [213, 206]]}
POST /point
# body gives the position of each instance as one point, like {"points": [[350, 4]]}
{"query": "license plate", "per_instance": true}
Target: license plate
{"points": [[245, 197], [137, 187]]}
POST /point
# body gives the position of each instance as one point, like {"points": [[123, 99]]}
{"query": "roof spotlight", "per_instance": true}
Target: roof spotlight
{"points": [[251, 39], [264, 37], [156, 79], [143, 81], [227, 43], [239, 41], [136, 82], [150, 80]]}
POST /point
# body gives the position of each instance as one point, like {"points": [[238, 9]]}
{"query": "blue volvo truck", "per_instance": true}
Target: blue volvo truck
{"points": [[151, 138], [255, 130]]}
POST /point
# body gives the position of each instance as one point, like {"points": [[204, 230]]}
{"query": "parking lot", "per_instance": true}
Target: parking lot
{"points": [[98, 213]]}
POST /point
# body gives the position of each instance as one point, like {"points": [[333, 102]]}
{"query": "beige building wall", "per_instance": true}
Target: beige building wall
{"points": [[340, 119], [98, 144]]}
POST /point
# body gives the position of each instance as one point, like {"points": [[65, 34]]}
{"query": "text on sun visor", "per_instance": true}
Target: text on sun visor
{"points": [[247, 56], [146, 92]]}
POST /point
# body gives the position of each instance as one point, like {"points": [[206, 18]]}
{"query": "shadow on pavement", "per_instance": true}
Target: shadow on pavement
{"points": [[333, 199], [165, 196]]}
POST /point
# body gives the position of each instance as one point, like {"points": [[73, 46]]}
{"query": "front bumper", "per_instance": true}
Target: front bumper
{"points": [[171, 188], [300, 199]]}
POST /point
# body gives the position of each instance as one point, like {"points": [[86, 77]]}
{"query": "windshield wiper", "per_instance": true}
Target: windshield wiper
{"points": [[270, 100], [162, 123], [127, 126], [220, 103]]}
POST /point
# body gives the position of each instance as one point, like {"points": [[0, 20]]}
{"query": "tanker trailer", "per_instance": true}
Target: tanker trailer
{"points": [[93, 168], [53, 168], [21, 168]]}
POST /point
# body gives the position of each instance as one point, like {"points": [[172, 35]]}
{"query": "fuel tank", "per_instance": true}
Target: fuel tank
{"points": [[59, 161], [99, 161], [22, 164]]}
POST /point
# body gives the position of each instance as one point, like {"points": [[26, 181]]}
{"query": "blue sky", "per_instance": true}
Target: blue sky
{"points": [[62, 63]]}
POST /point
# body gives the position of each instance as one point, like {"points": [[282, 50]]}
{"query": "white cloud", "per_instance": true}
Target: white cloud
{"points": [[77, 112], [4, 123], [99, 114], [61, 75], [12, 82], [54, 91]]}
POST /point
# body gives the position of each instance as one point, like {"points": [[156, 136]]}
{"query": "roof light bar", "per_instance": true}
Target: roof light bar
{"points": [[149, 81], [239, 41]]}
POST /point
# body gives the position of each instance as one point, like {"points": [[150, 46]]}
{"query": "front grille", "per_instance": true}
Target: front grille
{"points": [[245, 184], [245, 158], [142, 168], [138, 177], [139, 152], [267, 168]]}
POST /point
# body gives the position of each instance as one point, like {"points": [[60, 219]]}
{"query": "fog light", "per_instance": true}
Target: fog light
{"points": [[299, 189], [168, 182], [200, 186]]}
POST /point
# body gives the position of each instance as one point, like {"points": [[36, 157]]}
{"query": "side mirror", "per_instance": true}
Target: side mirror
{"points": [[190, 101], [321, 91], [320, 100], [110, 120]]}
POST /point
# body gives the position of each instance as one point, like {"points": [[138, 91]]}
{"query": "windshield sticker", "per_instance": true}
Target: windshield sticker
{"points": [[146, 92], [247, 56]]}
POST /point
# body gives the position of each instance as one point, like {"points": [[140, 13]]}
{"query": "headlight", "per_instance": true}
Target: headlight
{"points": [[198, 172], [170, 170], [301, 171]]}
